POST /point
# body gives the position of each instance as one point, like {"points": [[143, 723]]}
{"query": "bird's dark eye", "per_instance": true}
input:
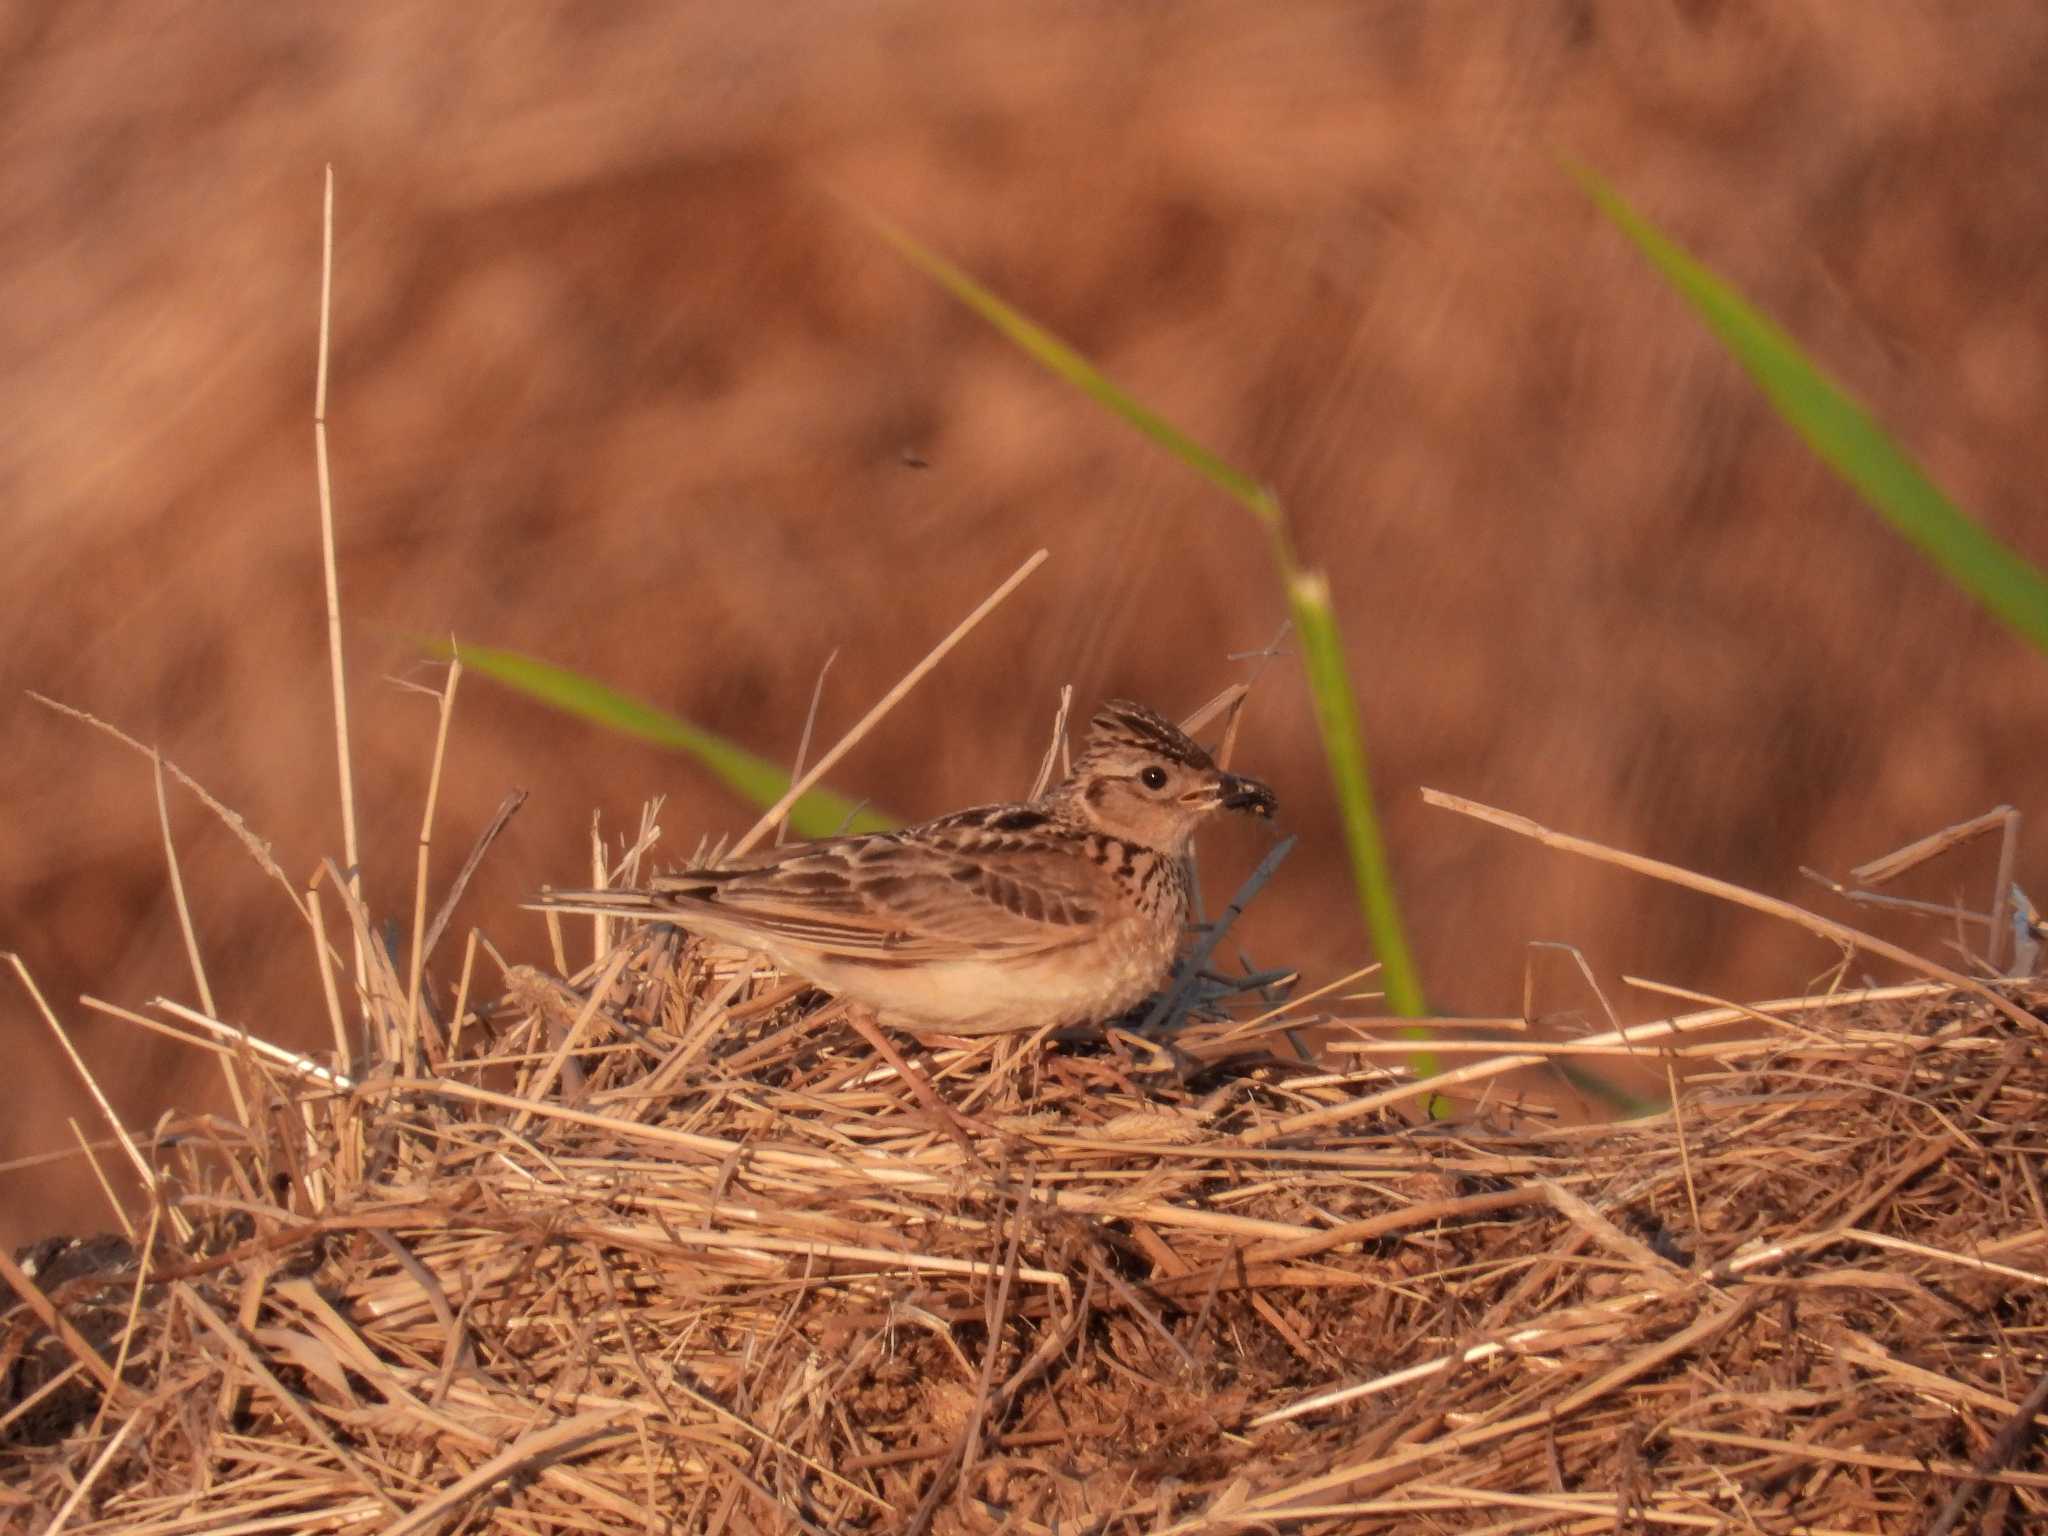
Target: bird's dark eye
{"points": [[1153, 777]]}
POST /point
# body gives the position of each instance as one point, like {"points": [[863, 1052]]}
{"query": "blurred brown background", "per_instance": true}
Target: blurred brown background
{"points": [[618, 383]]}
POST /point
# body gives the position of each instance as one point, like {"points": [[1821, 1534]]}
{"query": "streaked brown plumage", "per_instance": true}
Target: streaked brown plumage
{"points": [[1000, 918]]}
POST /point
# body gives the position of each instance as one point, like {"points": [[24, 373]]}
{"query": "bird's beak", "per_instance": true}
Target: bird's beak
{"points": [[1236, 794]]}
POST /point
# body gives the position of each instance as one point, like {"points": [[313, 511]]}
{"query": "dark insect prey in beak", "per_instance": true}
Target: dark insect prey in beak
{"points": [[1239, 794]]}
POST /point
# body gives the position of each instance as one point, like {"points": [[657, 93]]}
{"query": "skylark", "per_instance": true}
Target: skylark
{"points": [[1063, 910]]}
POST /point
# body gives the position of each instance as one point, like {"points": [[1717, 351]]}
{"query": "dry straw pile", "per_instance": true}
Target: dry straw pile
{"points": [[665, 1249]]}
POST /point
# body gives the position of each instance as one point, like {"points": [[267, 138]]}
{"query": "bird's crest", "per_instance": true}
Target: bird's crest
{"points": [[1122, 725]]}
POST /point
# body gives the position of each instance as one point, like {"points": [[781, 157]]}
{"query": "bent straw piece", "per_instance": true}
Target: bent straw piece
{"points": [[1762, 1013], [1741, 896], [803, 742], [416, 1041], [185, 926], [507, 809], [154, 1026], [1230, 697], [1924, 850], [351, 852], [257, 848], [262, 1047], [325, 958], [99, 1173], [379, 992], [461, 1004], [889, 701], [142, 1169], [1056, 747], [1294, 1004], [600, 922]]}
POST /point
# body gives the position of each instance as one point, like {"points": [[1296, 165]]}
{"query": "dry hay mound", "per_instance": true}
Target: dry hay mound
{"points": [[668, 1252]]}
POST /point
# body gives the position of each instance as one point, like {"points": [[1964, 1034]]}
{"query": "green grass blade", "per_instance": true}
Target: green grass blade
{"points": [[818, 814], [1059, 358], [1307, 593], [1842, 431], [1329, 682]]}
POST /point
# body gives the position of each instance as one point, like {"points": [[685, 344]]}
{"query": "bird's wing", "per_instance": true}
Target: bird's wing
{"points": [[949, 889]]}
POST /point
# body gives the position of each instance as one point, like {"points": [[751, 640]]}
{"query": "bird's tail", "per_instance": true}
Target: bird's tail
{"points": [[622, 901]]}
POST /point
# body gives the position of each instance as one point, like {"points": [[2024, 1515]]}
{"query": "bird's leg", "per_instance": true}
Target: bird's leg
{"points": [[957, 1125]]}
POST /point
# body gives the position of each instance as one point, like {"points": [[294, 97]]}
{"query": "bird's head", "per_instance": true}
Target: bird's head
{"points": [[1141, 779]]}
